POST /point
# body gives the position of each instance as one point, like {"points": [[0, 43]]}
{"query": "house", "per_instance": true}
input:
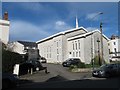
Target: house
{"points": [[75, 42], [25, 47], [4, 29], [114, 48]]}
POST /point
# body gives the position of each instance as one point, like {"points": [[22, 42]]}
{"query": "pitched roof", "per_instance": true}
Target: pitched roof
{"points": [[29, 44], [62, 33], [88, 33]]}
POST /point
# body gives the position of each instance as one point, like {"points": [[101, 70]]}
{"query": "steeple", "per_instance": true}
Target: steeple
{"points": [[76, 22]]}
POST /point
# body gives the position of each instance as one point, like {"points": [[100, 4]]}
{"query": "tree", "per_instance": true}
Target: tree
{"points": [[9, 59]]}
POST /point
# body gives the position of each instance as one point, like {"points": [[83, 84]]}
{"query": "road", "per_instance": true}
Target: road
{"points": [[56, 70], [61, 77]]}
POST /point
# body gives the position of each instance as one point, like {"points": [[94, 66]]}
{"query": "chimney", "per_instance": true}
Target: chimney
{"points": [[5, 16]]}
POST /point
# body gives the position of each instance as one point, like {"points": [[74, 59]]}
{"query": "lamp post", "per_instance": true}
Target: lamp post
{"points": [[101, 43], [92, 56], [98, 41]]}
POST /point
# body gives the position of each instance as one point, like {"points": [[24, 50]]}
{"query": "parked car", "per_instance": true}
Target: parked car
{"points": [[34, 63], [43, 60], [71, 61], [9, 80], [107, 70]]}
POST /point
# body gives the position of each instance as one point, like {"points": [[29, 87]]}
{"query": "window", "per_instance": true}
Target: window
{"points": [[73, 54], [79, 53], [79, 44], [50, 49], [73, 45], [76, 45], [76, 54], [47, 55], [109, 51], [114, 43], [57, 51], [50, 55], [115, 49], [57, 44], [57, 57]]}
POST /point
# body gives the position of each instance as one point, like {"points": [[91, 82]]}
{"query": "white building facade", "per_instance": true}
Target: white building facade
{"points": [[80, 46], [54, 48], [72, 43], [114, 48], [4, 29]]}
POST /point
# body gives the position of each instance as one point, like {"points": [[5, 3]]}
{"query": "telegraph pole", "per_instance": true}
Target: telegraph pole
{"points": [[99, 51], [92, 56], [101, 43]]}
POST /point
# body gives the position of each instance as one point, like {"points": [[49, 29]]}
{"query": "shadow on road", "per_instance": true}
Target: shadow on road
{"points": [[56, 78], [64, 83]]}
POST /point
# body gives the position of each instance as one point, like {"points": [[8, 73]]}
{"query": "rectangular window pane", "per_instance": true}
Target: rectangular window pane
{"points": [[76, 45], [79, 44], [79, 53], [76, 54], [73, 54], [73, 45]]}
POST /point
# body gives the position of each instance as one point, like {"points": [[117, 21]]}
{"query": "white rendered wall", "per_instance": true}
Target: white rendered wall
{"points": [[4, 31], [18, 48]]}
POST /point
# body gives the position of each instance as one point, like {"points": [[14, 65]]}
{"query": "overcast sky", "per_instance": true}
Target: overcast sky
{"points": [[35, 21]]}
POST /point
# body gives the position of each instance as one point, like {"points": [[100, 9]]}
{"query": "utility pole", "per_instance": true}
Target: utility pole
{"points": [[99, 51], [101, 43], [92, 56]]}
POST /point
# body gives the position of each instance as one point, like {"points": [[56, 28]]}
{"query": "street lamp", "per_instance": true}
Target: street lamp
{"points": [[98, 41], [101, 43], [92, 57]]}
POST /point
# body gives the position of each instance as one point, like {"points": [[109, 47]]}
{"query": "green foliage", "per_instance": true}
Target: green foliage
{"points": [[81, 65], [9, 59], [72, 67]]}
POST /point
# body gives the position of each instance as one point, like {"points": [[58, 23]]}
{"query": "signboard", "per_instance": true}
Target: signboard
{"points": [[16, 69]]}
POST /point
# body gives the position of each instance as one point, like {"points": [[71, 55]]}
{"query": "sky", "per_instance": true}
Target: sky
{"points": [[33, 21]]}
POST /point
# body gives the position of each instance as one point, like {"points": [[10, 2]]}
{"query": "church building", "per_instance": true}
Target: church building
{"points": [[74, 43]]}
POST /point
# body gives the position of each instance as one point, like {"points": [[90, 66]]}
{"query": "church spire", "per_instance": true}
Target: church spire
{"points": [[76, 22]]}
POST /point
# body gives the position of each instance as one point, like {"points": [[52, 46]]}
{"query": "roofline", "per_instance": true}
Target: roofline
{"points": [[61, 33], [84, 35]]}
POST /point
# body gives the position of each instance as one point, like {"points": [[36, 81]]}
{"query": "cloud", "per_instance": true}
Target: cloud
{"points": [[32, 6], [61, 26], [93, 16], [60, 23], [91, 28], [21, 30]]}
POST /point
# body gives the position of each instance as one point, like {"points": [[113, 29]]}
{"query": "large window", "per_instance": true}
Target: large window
{"points": [[115, 49], [109, 51], [79, 53], [76, 44], [57, 44], [79, 44], [76, 54], [73, 54], [57, 51], [73, 45], [114, 43]]}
